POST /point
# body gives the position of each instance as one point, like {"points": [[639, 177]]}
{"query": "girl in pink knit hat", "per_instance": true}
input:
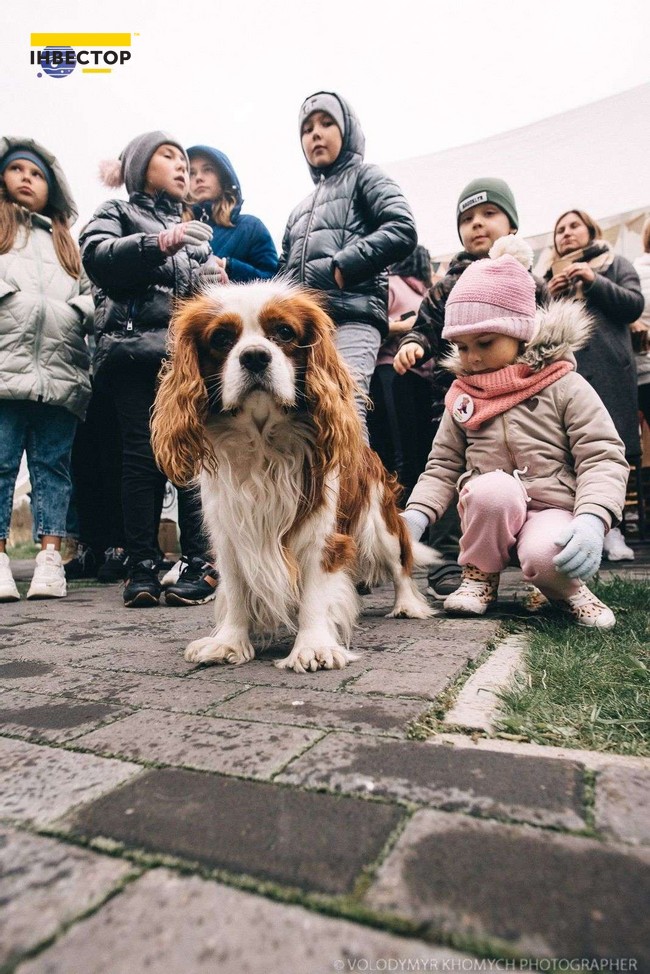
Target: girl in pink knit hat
{"points": [[525, 440]]}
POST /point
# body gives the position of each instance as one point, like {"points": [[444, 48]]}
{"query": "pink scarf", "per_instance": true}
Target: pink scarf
{"points": [[473, 399]]}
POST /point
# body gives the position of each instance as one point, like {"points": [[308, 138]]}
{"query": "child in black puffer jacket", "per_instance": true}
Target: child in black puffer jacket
{"points": [[141, 258]]}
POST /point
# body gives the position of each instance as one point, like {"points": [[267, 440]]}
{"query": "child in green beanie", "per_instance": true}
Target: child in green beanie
{"points": [[485, 211]]}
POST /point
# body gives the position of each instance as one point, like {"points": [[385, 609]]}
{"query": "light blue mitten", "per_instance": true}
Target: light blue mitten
{"points": [[416, 522], [582, 547]]}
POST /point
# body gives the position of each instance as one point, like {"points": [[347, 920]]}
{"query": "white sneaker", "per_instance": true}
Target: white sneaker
{"points": [[614, 547], [8, 590], [48, 581], [174, 573]]}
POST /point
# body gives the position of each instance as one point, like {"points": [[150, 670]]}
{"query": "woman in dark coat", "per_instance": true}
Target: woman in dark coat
{"points": [[585, 267]]}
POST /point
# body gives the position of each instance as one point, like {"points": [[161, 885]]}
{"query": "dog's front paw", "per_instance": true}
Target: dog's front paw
{"points": [[308, 660], [211, 649]]}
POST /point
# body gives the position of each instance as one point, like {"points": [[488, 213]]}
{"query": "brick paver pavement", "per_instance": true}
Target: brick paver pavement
{"points": [[160, 817]]}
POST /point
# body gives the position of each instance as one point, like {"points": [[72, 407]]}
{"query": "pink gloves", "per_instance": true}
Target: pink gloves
{"points": [[191, 234]]}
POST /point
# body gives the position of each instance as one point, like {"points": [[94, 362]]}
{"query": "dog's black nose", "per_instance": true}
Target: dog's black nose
{"points": [[255, 358]]}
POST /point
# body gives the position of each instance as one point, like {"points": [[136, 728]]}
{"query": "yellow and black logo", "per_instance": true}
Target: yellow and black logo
{"points": [[58, 55]]}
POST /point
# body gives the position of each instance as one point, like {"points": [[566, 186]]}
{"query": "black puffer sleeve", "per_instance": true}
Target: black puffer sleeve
{"points": [[114, 260], [392, 236]]}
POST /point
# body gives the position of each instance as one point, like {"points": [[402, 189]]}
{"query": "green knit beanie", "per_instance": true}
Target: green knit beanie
{"points": [[488, 190]]}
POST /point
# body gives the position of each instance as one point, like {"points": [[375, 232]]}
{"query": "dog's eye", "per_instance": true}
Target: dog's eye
{"points": [[221, 339], [285, 333]]}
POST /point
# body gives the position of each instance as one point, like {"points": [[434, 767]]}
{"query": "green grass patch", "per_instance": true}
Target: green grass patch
{"points": [[585, 688]]}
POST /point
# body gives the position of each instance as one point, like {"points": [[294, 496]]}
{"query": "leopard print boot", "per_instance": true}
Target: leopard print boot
{"points": [[477, 592]]}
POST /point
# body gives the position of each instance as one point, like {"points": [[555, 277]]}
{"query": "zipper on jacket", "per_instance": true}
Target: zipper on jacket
{"points": [[129, 320], [38, 331], [307, 231], [507, 441]]}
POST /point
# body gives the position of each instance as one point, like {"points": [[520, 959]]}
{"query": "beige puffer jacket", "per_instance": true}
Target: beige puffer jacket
{"points": [[561, 443], [44, 313]]}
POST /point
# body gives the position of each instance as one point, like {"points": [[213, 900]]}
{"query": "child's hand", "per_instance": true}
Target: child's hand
{"points": [[213, 272], [582, 545], [190, 234], [338, 278], [407, 357]]}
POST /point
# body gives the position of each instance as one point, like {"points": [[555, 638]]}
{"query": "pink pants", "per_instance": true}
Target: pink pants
{"points": [[496, 521]]}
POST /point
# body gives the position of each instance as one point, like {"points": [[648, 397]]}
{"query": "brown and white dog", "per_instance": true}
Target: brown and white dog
{"points": [[256, 403]]}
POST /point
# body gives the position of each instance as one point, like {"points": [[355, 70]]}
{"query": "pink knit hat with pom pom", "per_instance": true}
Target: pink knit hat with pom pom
{"points": [[494, 295], [131, 167]]}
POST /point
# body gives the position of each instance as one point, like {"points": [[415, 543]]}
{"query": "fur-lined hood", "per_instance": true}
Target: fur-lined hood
{"points": [[561, 328]]}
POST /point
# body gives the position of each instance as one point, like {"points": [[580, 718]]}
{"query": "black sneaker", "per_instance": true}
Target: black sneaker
{"points": [[115, 566], [142, 587], [444, 579], [196, 584], [83, 565]]}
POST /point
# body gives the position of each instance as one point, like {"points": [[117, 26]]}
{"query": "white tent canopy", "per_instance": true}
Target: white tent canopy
{"points": [[594, 158]]}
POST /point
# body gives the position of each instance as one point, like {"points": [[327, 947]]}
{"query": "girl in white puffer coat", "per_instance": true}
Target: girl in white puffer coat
{"points": [[45, 312]]}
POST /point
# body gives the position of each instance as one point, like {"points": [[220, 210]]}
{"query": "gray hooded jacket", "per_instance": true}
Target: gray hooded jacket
{"points": [[44, 313], [358, 220]]}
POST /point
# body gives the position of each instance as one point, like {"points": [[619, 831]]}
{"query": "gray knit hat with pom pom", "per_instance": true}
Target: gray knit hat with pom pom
{"points": [[131, 167]]}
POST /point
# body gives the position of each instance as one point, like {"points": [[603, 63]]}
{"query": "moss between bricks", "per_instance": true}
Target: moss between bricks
{"points": [[430, 722]]}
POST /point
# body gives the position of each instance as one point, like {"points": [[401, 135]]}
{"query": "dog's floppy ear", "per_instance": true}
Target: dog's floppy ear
{"points": [[329, 391], [181, 406]]}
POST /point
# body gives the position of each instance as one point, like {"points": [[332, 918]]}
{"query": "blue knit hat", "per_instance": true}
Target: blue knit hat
{"points": [[29, 157]]}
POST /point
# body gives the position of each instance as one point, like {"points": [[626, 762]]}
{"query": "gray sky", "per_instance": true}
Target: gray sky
{"points": [[422, 77]]}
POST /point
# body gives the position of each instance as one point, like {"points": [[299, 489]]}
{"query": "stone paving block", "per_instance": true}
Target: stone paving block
{"points": [[392, 632], [44, 884], [541, 893], [207, 743], [40, 648], [160, 657], [312, 841], [426, 665], [426, 683], [138, 690], [535, 790], [38, 784], [457, 634], [623, 803], [419, 654], [479, 700], [50, 718], [322, 709], [167, 924], [262, 672]]}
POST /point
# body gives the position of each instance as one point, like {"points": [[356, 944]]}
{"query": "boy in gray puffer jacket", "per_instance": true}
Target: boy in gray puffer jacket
{"points": [[344, 235]]}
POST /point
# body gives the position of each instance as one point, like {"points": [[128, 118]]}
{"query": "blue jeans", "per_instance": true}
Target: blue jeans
{"points": [[358, 345], [45, 432]]}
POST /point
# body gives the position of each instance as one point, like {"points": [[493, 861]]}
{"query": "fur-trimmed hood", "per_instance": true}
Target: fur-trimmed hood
{"points": [[561, 328]]}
